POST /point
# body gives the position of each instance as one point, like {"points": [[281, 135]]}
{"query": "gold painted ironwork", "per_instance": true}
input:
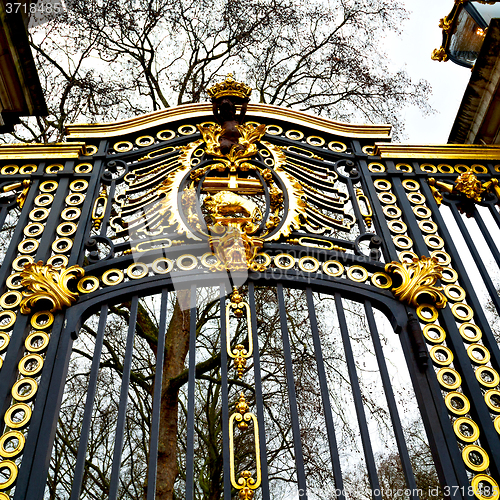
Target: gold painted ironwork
{"points": [[21, 197], [366, 210], [442, 151], [229, 87], [36, 151], [99, 209], [469, 185], [44, 282], [418, 280]]}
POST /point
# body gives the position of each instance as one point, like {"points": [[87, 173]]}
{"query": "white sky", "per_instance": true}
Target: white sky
{"points": [[421, 35]]}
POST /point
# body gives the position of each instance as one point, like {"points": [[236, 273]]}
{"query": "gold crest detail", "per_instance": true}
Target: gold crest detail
{"points": [[44, 282], [230, 87], [469, 185], [418, 280]]}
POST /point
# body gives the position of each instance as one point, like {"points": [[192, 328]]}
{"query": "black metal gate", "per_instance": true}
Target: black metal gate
{"points": [[181, 320]]}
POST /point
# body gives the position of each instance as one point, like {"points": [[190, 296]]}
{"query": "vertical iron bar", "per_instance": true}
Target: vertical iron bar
{"points": [[258, 393], [155, 418], [191, 391], [224, 395], [122, 410], [89, 406], [358, 400], [292, 397], [391, 402], [330, 427]]}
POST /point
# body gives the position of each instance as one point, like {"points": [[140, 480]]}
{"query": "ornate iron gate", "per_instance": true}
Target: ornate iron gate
{"points": [[277, 202]]}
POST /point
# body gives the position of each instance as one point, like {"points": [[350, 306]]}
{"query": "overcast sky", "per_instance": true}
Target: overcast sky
{"points": [[421, 36]]}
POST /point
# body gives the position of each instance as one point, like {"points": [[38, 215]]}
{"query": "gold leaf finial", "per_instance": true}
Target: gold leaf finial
{"points": [[418, 279], [44, 282], [439, 55]]}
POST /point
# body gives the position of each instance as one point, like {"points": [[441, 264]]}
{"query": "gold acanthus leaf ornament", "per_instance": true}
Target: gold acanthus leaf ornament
{"points": [[44, 282], [418, 279], [469, 185]]}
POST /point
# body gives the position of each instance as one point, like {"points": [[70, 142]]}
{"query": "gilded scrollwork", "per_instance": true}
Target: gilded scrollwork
{"points": [[418, 280], [469, 185], [44, 282]]}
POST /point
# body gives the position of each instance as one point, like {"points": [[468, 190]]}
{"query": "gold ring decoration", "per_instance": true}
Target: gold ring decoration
{"points": [[83, 168], [14, 281], [474, 329], [429, 168], [29, 245], [90, 150], [4, 341], [338, 147], [36, 341], [492, 400], [19, 262], [162, 265], [206, 262], [338, 268], [462, 312], [441, 355], [392, 211], [58, 261], [397, 226], [461, 169], [7, 319], [7, 438], [454, 292], [479, 169], [407, 256], [457, 403], [74, 199], [12, 468], [478, 489], [404, 167], [449, 275], [137, 270], [446, 169], [42, 320], [496, 423], [66, 229], [112, 277], [403, 242], [449, 378], [9, 170], [475, 458], [376, 167], [314, 264], [48, 186], [274, 130], [79, 185], [442, 257], [427, 313], [165, 135], [315, 140], [387, 198], [357, 273], [10, 299], [62, 245], [435, 334], [71, 213], [122, 146], [14, 411], [289, 261], [44, 200], [295, 135], [368, 150], [382, 185], [33, 229], [466, 429], [24, 389], [31, 365], [487, 376], [38, 214], [53, 169], [28, 169], [193, 262], [145, 140], [266, 259], [427, 226], [381, 280], [434, 241], [186, 129], [88, 284], [411, 185], [422, 212], [416, 198]]}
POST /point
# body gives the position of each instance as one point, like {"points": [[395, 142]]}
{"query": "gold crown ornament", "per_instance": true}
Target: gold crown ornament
{"points": [[230, 87]]}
